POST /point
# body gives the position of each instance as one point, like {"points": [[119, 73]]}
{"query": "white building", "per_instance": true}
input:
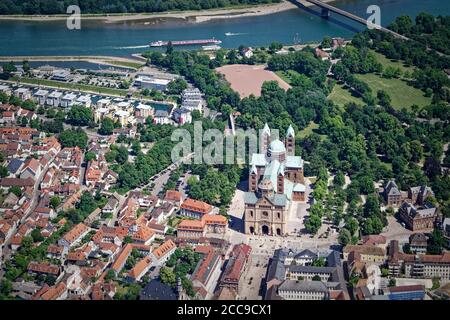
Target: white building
{"points": [[182, 116], [100, 114], [122, 117], [54, 98], [144, 82], [68, 100], [5, 89], [192, 99], [84, 100], [145, 110], [23, 93], [41, 96], [303, 290], [161, 117], [103, 103]]}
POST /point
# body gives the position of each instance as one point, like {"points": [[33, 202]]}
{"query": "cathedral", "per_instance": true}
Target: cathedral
{"points": [[275, 180]]}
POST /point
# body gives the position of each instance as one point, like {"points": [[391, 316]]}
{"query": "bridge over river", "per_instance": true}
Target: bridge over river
{"points": [[326, 9]]}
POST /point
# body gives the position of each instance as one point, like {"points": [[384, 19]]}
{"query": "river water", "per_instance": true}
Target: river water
{"points": [[125, 38]]}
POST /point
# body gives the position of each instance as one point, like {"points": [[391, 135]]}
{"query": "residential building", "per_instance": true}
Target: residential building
{"points": [[161, 117], [192, 99], [182, 115], [195, 208], [74, 236], [43, 268], [84, 100], [207, 272], [418, 265], [236, 266], [140, 269], [23, 93], [368, 253], [418, 243], [392, 194], [54, 98], [41, 96], [418, 219], [285, 279], [161, 254], [303, 290], [68, 100], [196, 229]]}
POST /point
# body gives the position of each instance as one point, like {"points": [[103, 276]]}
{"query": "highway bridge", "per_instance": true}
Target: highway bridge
{"points": [[326, 9]]}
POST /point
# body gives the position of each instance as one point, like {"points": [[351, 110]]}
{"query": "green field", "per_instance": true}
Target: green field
{"points": [[74, 86], [342, 96], [309, 130], [402, 95], [134, 65], [389, 63], [287, 75]]}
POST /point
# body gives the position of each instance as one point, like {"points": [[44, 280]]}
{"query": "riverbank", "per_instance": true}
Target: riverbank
{"points": [[188, 16], [103, 60]]}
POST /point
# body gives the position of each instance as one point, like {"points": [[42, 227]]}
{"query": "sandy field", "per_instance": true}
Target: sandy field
{"points": [[248, 79]]}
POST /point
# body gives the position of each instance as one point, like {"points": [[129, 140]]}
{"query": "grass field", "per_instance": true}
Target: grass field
{"points": [[308, 130], [402, 95], [389, 63], [287, 75], [342, 96], [135, 65], [74, 86]]}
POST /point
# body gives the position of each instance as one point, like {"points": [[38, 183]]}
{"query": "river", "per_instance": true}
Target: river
{"points": [[123, 39]]}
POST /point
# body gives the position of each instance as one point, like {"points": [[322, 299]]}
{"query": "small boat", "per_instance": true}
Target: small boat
{"points": [[211, 48], [229, 34]]}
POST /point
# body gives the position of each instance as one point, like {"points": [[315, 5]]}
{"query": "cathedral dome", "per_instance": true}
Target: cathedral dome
{"points": [[277, 147]]}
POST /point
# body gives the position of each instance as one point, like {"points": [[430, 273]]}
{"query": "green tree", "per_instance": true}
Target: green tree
{"points": [[177, 86], [339, 179], [3, 172], [106, 127], [313, 224], [344, 237], [89, 156], [16, 190], [168, 277], [79, 116], [73, 138], [55, 201], [110, 276], [36, 235]]}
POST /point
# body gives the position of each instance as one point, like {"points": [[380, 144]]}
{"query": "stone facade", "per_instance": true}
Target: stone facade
{"points": [[275, 179]]}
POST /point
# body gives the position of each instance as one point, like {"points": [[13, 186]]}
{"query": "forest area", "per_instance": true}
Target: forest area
{"points": [[39, 7]]}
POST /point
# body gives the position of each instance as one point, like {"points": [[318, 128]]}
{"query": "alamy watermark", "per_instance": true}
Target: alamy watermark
{"points": [[374, 20], [213, 147], [73, 22]]}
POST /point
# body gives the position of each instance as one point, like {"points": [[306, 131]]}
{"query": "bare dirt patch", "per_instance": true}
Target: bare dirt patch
{"points": [[248, 79]]}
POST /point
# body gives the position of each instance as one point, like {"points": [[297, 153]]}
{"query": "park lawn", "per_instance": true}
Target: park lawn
{"points": [[286, 75], [308, 130], [134, 65], [74, 86], [402, 95], [312, 126], [386, 62], [341, 96]]}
